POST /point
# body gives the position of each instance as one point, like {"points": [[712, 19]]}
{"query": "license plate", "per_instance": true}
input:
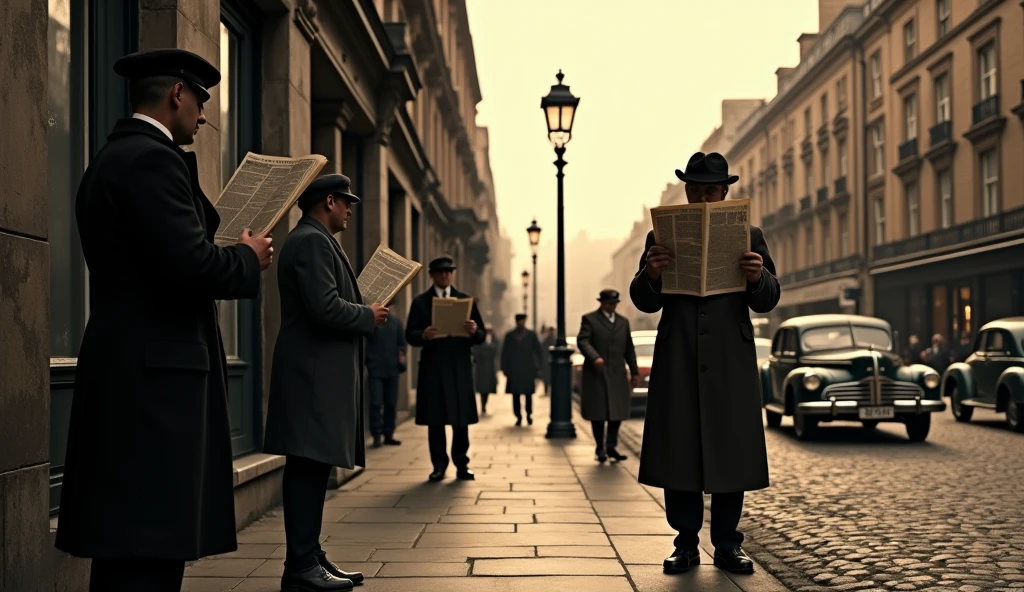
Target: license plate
{"points": [[877, 412]]}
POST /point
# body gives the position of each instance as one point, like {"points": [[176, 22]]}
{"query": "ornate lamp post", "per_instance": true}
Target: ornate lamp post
{"points": [[559, 109], [526, 286], [533, 231]]}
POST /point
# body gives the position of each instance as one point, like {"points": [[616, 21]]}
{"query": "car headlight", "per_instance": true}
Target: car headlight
{"points": [[812, 381], [931, 379]]}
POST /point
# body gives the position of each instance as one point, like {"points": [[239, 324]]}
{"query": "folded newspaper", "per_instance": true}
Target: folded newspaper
{"points": [[708, 240], [384, 276], [260, 193], [449, 315]]}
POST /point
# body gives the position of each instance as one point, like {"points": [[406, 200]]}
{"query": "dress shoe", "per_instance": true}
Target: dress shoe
{"points": [[390, 441], [615, 455], [734, 560], [682, 561], [519, 421], [601, 456], [314, 579], [529, 419], [354, 576], [376, 441], [465, 475], [436, 476]]}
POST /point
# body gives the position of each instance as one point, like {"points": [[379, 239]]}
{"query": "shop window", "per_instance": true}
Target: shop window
{"points": [[940, 310], [998, 294], [962, 312]]}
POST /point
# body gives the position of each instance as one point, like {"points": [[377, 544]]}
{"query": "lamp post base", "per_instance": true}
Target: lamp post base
{"points": [[561, 425]]}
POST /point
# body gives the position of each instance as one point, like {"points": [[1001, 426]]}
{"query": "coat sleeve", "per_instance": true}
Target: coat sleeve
{"points": [[645, 294], [634, 370], [167, 227], [416, 324], [583, 341], [504, 356], [319, 289], [481, 331], [400, 339], [763, 296]]}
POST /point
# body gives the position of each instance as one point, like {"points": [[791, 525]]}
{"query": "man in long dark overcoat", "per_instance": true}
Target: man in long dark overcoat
{"points": [[315, 413], [520, 362], [606, 390], [150, 386], [703, 432], [444, 387], [485, 368], [385, 363]]}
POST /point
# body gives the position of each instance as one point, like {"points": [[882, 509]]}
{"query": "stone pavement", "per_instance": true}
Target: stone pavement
{"points": [[541, 515]]}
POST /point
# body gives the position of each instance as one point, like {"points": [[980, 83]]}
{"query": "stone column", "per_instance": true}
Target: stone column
{"points": [[330, 118], [401, 242]]}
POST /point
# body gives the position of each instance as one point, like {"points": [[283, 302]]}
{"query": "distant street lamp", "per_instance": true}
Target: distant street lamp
{"points": [[533, 231], [559, 110], [526, 286]]}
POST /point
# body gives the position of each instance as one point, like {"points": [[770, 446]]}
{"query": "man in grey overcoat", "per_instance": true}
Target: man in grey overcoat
{"points": [[315, 412], [703, 432], [606, 391], [520, 362]]}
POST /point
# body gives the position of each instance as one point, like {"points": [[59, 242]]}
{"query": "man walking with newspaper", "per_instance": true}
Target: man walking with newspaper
{"points": [[605, 394]]}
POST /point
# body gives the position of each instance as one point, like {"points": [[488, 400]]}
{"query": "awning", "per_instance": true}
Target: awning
{"points": [[828, 290]]}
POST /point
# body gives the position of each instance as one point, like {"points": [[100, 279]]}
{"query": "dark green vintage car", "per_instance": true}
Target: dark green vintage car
{"points": [[993, 376], [842, 367]]}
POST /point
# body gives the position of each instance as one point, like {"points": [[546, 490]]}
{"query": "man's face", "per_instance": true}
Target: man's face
{"points": [[340, 209], [705, 193], [188, 114], [443, 279], [609, 307], [520, 323]]}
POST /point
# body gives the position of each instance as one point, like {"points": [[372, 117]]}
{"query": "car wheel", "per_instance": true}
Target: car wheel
{"points": [[870, 425], [1013, 417], [918, 427], [804, 426], [960, 411], [774, 419]]}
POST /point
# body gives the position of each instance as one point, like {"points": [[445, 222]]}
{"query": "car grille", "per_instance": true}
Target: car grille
{"points": [[861, 391]]}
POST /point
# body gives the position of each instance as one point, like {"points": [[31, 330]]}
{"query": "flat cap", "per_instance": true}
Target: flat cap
{"points": [[443, 263], [324, 185], [608, 296], [520, 315], [200, 74]]}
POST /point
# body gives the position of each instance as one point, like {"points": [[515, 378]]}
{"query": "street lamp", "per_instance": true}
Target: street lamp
{"points": [[526, 286], [533, 231], [559, 110]]}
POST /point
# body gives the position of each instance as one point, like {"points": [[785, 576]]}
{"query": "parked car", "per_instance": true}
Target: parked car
{"points": [[993, 376], [577, 364], [842, 367], [644, 346], [763, 345]]}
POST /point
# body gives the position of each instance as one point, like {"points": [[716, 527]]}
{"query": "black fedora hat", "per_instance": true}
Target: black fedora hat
{"points": [[707, 168], [608, 296]]}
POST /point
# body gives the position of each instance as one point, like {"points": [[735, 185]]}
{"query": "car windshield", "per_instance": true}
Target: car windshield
{"points": [[644, 349], [845, 337]]}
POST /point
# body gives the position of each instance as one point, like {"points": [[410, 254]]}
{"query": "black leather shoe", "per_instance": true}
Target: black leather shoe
{"points": [[734, 560], [683, 560], [529, 419], [314, 579], [615, 455], [436, 476], [354, 576], [601, 455], [519, 421], [390, 441], [376, 441], [465, 475]]}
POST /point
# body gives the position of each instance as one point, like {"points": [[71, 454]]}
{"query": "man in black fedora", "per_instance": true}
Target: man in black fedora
{"points": [[150, 384], [444, 388], [703, 431]]}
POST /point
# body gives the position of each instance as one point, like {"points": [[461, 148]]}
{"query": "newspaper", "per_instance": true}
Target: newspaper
{"points": [[708, 240], [260, 193], [449, 316], [384, 275]]}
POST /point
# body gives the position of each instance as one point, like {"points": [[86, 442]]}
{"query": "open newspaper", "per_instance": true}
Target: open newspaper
{"points": [[261, 191], [449, 315], [384, 275], [708, 240]]}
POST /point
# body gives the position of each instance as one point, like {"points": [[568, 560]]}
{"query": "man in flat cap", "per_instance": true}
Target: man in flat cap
{"points": [[703, 432], [150, 385], [444, 387], [521, 359], [605, 390], [315, 414]]}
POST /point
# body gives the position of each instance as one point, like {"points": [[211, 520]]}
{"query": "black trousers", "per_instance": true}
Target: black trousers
{"points": [[483, 400], [437, 438], [685, 513], [612, 440], [304, 489], [135, 574], [517, 405], [383, 400]]}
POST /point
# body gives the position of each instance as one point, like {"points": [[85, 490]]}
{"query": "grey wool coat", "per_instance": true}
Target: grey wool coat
{"points": [[605, 392], [703, 430], [316, 384]]}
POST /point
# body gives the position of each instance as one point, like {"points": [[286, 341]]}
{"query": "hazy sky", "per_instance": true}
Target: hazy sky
{"points": [[651, 75]]}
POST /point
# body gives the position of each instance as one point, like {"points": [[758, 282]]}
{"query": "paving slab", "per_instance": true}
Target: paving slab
{"points": [[473, 527], [419, 570], [545, 566], [567, 551], [444, 554], [492, 584], [651, 578]]}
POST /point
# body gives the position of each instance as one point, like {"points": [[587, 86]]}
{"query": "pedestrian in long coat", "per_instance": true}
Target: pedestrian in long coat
{"points": [[520, 362], [444, 387], [485, 368], [606, 390], [703, 431], [150, 388]]}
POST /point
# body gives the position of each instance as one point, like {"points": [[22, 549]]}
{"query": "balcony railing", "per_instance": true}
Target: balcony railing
{"points": [[941, 132], [908, 149], [822, 270], [840, 185], [822, 195], [954, 235], [805, 203], [985, 109], [785, 212]]}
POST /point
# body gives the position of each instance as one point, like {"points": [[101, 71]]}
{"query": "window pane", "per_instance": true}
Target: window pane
{"points": [[945, 198]]}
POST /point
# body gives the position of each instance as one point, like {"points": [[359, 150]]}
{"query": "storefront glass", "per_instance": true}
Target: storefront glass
{"points": [[940, 312], [963, 311]]}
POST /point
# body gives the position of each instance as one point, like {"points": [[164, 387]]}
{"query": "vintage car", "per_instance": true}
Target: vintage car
{"points": [[763, 346], [643, 343], [842, 367], [993, 376]]}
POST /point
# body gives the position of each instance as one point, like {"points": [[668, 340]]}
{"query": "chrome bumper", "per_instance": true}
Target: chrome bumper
{"points": [[847, 408]]}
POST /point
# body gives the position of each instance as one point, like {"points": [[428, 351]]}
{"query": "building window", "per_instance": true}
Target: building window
{"points": [[807, 122], [841, 93], [876, 75], [913, 209], [987, 70], [944, 182], [989, 183], [878, 148], [880, 220], [228, 309], [826, 171], [943, 111], [810, 178], [826, 240], [824, 109], [844, 236], [910, 117], [942, 13], [909, 41], [809, 245], [842, 158]]}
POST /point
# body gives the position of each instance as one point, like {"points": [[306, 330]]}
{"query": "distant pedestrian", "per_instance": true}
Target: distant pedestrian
{"points": [[547, 342], [938, 355], [520, 362], [912, 355], [385, 363], [606, 393], [964, 349], [485, 368]]}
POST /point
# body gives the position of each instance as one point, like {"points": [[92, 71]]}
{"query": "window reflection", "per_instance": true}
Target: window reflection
{"points": [[229, 159]]}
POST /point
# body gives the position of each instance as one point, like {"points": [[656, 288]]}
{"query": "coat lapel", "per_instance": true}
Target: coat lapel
{"points": [[338, 250]]}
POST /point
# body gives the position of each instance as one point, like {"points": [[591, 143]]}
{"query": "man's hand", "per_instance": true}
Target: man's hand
{"points": [[636, 381], [380, 314], [470, 327], [401, 357], [430, 332], [259, 244], [751, 264], [658, 258], [599, 363]]}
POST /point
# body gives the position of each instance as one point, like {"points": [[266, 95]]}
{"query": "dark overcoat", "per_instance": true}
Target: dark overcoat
{"points": [[444, 387], [485, 363], [703, 430], [316, 384], [605, 393], [148, 466], [520, 361]]}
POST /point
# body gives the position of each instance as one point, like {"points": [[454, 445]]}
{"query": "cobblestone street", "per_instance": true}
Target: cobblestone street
{"points": [[868, 510]]}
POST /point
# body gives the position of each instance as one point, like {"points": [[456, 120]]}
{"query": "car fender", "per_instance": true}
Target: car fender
{"points": [[915, 373], [961, 375], [1012, 379], [766, 384]]}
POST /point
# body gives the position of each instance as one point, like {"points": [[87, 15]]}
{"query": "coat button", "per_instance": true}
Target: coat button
{"points": [[703, 368], [702, 315], [702, 331]]}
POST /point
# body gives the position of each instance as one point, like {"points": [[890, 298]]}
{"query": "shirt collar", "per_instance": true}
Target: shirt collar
{"points": [[155, 124], [442, 292]]}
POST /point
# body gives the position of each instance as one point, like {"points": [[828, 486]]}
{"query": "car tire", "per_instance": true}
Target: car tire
{"points": [[870, 425], [960, 411], [1013, 418], [805, 426], [918, 427], [773, 419]]}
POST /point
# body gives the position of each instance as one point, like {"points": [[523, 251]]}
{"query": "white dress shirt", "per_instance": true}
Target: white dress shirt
{"points": [[609, 316], [155, 124], [443, 292]]}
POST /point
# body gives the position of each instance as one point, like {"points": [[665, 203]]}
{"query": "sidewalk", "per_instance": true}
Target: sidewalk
{"points": [[541, 515]]}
